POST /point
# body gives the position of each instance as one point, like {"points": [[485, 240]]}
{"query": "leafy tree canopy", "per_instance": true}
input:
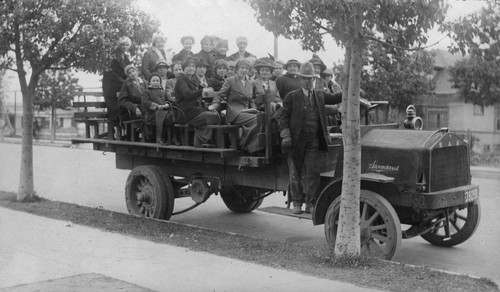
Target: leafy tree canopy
{"points": [[397, 76], [401, 23], [68, 33], [478, 77], [55, 89]]}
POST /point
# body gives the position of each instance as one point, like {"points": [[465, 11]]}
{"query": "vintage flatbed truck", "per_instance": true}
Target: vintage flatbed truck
{"points": [[417, 179]]}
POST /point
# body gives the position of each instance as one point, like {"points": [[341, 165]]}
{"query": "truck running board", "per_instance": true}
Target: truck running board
{"points": [[285, 212]]}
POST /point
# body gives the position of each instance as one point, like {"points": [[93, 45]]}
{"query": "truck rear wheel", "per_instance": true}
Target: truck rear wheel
{"points": [[241, 199], [149, 193], [380, 229], [460, 226]]}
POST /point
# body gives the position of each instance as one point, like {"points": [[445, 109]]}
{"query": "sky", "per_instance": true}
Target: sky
{"points": [[229, 19]]}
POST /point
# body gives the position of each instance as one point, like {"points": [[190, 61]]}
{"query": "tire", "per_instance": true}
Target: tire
{"points": [[462, 223], [146, 193], [380, 228], [240, 199]]}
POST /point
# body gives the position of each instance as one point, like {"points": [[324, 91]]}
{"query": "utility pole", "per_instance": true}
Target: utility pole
{"points": [[275, 47], [15, 111]]}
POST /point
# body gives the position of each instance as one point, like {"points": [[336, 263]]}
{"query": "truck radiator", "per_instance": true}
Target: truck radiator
{"points": [[449, 168]]}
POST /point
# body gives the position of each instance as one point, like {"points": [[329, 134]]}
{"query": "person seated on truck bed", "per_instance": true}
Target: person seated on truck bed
{"points": [[237, 91], [263, 86], [302, 125], [217, 79], [188, 92], [158, 117], [129, 98]]}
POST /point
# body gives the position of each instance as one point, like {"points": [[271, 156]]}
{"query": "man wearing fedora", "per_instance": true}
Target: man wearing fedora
{"points": [[302, 125]]}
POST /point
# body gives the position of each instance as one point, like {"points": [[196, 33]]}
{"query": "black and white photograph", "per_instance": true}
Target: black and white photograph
{"points": [[249, 145]]}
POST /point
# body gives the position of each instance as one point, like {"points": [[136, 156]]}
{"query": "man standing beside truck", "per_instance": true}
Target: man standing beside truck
{"points": [[302, 125]]}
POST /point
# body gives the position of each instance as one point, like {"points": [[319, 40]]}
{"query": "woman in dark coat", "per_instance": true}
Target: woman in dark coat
{"points": [[151, 57], [113, 79], [220, 70], [188, 98], [290, 81], [129, 98], [187, 43], [207, 53]]}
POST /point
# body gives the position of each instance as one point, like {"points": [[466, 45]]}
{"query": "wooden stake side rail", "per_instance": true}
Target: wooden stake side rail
{"points": [[188, 153]]}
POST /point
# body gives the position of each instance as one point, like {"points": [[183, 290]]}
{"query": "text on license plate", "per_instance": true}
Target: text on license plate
{"points": [[471, 195]]}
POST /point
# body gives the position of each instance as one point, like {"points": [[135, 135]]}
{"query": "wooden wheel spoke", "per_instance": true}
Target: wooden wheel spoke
{"points": [[380, 237], [365, 210], [372, 218], [378, 227], [455, 225], [464, 218]]}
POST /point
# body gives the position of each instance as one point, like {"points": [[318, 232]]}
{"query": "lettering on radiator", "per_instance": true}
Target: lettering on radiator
{"points": [[382, 168]]}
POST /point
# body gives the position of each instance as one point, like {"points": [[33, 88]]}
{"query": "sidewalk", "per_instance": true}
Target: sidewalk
{"points": [[35, 249]]}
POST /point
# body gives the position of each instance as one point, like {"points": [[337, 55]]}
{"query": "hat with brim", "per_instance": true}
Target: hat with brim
{"points": [[328, 72], [290, 62], [128, 67], [307, 70], [200, 62], [161, 62], [318, 61], [264, 63]]}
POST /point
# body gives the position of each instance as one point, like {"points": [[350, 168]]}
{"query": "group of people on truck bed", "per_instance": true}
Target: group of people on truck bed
{"points": [[165, 91]]}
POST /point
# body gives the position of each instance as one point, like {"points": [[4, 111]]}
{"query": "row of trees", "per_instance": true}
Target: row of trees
{"points": [[39, 35]]}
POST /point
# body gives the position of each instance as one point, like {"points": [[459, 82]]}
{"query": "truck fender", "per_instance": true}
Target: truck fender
{"points": [[329, 193], [369, 181]]}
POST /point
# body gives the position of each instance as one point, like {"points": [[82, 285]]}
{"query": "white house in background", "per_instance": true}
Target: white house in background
{"points": [[448, 109]]}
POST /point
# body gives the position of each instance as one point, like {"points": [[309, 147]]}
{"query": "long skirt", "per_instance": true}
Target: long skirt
{"points": [[203, 135], [249, 141]]}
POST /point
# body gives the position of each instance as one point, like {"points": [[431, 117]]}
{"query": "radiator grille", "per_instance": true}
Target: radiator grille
{"points": [[449, 168]]}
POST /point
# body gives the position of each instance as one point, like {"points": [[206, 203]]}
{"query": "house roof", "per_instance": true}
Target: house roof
{"points": [[442, 61]]}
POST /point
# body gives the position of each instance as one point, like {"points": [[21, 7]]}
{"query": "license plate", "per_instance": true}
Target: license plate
{"points": [[471, 195]]}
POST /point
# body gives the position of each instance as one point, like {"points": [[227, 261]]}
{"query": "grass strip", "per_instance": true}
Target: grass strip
{"points": [[361, 271]]}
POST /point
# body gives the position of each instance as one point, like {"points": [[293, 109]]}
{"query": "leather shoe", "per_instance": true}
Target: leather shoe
{"points": [[309, 210], [297, 209]]}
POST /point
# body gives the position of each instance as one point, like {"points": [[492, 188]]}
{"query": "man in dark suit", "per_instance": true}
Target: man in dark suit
{"points": [[302, 124]]}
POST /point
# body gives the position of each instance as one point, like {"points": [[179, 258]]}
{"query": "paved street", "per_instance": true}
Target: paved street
{"points": [[86, 177]]}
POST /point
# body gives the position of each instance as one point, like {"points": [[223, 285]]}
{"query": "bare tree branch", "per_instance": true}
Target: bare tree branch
{"points": [[398, 47]]}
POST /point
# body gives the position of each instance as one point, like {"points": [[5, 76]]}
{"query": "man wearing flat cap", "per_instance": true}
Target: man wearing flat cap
{"points": [[302, 125]]}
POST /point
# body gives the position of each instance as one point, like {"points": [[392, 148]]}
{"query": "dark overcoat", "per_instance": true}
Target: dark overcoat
{"points": [[291, 116], [188, 97]]}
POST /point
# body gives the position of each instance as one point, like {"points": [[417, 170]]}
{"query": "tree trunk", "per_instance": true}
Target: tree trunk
{"points": [[348, 232], [26, 185], [53, 122]]}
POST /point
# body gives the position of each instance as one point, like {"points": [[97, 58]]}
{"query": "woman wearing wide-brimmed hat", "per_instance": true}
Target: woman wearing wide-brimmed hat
{"points": [[289, 81], [155, 52], [263, 87], [302, 125], [237, 92]]}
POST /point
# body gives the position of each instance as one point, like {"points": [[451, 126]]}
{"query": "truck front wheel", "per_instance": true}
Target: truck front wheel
{"points": [[380, 228]]}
